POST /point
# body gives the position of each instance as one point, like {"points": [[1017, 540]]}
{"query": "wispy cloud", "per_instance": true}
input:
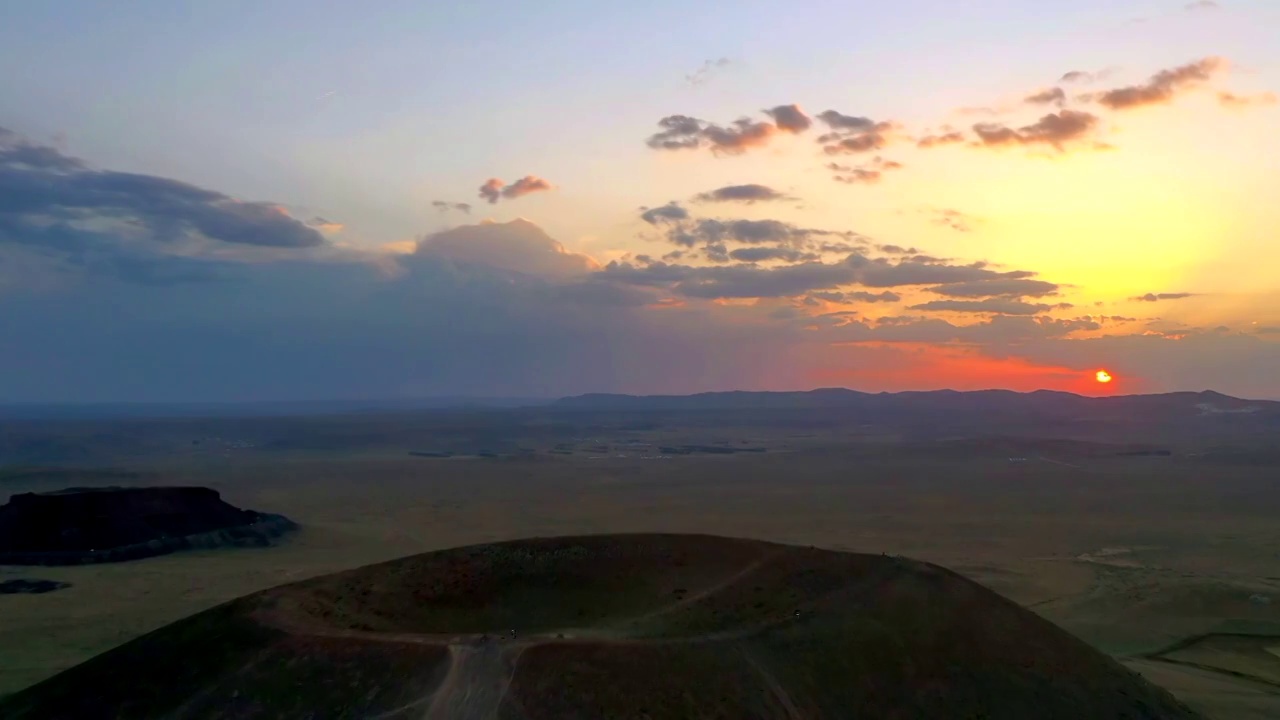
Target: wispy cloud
{"points": [[707, 71], [1231, 100]]}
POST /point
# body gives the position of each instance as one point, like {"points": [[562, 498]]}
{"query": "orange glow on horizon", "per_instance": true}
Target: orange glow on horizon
{"points": [[899, 367]]}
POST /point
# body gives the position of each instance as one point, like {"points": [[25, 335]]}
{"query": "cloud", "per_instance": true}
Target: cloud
{"points": [[1052, 96], [444, 206], [997, 286], [805, 277], [761, 254], [494, 189], [883, 273], [947, 138], [994, 306], [325, 226], [748, 194], [58, 215], [1156, 297], [885, 296], [663, 213], [682, 132], [1056, 130], [951, 218], [852, 134], [1232, 100], [712, 235], [1077, 76], [516, 246], [707, 71], [1000, 330], [1201, 5], [866, 173], [1162, 87], [790, 118]]}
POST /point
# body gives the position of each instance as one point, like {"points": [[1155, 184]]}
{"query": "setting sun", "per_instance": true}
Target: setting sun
{"points": [[1103, 376]]}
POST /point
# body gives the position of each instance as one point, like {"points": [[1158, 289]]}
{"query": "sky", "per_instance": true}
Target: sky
{"points": [[245, 201]]}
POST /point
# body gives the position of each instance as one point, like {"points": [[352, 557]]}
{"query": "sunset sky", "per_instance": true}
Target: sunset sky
{"points": [[279, 201]]}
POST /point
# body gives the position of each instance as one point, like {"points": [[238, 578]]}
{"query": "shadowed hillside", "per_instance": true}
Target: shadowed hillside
{"points": [[621, 626]]}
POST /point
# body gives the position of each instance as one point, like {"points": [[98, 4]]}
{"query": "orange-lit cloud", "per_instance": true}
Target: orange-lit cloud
{"points": [[1052, 96], [866, 173], [682, 132], [947, 138], [1057, 130], [327, 227], [494, 189], [1162, 87], [1232, 100]]}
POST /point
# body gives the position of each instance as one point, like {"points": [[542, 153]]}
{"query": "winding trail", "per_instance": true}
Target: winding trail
{"points": [[479, 677]]}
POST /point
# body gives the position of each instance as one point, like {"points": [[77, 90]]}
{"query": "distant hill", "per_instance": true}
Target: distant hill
{"points": [[1046, 401], [616, 626]]}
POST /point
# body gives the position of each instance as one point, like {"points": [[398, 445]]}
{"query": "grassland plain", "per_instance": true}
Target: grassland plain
{"points": [[1132, 554]]}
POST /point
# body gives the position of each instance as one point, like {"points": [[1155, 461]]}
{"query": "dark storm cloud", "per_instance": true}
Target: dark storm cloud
{"points": [[1162, 87], [993, 306], [749, 194], [866, 173], [1156, 297], [495, 189], [1056, 130], [670, 211], [1021, 286], [1052, 96]]}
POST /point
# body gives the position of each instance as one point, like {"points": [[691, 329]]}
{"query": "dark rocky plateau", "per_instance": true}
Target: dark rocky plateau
{"points": [[610, 626], [30, 586], [91, 525]]}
